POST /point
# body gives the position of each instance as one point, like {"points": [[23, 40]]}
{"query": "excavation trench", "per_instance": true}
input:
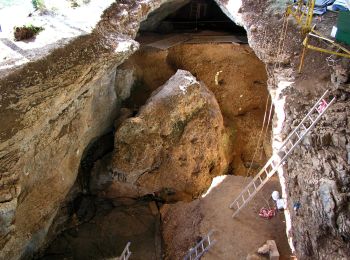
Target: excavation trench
{"points": [[162, 211], [100, 218]]}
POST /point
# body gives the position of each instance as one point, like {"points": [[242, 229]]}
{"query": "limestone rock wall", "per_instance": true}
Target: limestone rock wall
{"points": [[317, 177], [50, 110]]}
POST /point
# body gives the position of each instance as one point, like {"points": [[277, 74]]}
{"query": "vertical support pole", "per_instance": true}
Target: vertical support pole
{"points": [[305, 43]]}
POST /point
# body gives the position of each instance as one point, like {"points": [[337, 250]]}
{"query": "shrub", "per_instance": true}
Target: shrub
{"points": [[26, 32]]}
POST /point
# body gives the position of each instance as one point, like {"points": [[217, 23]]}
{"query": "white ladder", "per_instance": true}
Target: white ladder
{"points": [[126, 252], [201, 248], [293, 139]]}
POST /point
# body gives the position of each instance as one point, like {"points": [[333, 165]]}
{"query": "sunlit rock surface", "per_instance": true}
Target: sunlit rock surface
{"points": [[175, 141]]}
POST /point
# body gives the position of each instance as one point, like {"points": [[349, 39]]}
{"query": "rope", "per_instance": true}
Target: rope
{"points": [[280, 46], [284, 38], [268, 121], [260, 135], [281, 43]]}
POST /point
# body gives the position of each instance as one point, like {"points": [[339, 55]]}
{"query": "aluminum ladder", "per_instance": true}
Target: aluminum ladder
{"points": [[126, 252], [287, 147], [201, 247]]}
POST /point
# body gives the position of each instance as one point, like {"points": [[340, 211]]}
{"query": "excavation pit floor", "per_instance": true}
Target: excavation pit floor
{"points": [[184, 223], [106, 234]]}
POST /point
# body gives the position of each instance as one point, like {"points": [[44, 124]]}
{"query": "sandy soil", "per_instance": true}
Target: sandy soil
{"points": [[241, 90], [185, 223]]}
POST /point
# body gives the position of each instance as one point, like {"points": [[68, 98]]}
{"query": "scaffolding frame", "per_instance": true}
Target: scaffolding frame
{"points": [[302, 13], [341, 51]]}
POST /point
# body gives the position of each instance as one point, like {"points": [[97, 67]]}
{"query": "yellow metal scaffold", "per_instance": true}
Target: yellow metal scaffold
{"points": [[303, 11], [341, 51]]}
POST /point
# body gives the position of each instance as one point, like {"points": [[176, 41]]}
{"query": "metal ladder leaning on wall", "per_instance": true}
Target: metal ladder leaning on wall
{"points": [[201, 248], [126, 252], [287, 147]]}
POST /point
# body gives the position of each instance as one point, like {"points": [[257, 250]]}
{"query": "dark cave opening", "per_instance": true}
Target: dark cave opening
{"points": [[195, 16]]}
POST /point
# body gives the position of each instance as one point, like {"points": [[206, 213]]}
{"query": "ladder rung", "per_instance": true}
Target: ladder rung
{"points": [[273, 165], [254, 185], [311, 119]]}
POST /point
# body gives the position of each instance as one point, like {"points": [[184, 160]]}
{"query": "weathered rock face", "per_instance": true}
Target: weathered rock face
{"points": [[316, 174], [51, 110], [318, 178], [175, 141]]}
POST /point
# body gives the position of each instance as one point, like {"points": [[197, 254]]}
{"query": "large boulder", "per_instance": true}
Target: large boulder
{"points": [[175, 142]]}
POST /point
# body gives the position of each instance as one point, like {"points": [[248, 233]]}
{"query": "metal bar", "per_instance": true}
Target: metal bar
{"points": [[311, 47], [319, 35], [305, 43], [311, 4]]}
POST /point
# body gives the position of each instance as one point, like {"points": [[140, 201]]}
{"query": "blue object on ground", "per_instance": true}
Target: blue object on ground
{"points": [[321, 6], [340, 5], [296, 206]]}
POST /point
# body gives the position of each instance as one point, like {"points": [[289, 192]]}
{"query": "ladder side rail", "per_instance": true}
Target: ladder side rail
{"points": [[269, 162], [126, 252], [205, 250], [304, 119], [256, 191], [198, 246], [307, 130]]}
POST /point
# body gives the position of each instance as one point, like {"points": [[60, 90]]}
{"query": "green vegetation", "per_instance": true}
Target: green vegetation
{"points": [[39, 5], [26, 32]]}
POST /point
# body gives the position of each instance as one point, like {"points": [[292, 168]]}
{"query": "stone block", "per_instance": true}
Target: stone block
{"points": [[274, 254]]}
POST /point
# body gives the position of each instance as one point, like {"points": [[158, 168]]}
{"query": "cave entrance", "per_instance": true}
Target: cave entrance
{"points": [[198, 37], [193, 16]]}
